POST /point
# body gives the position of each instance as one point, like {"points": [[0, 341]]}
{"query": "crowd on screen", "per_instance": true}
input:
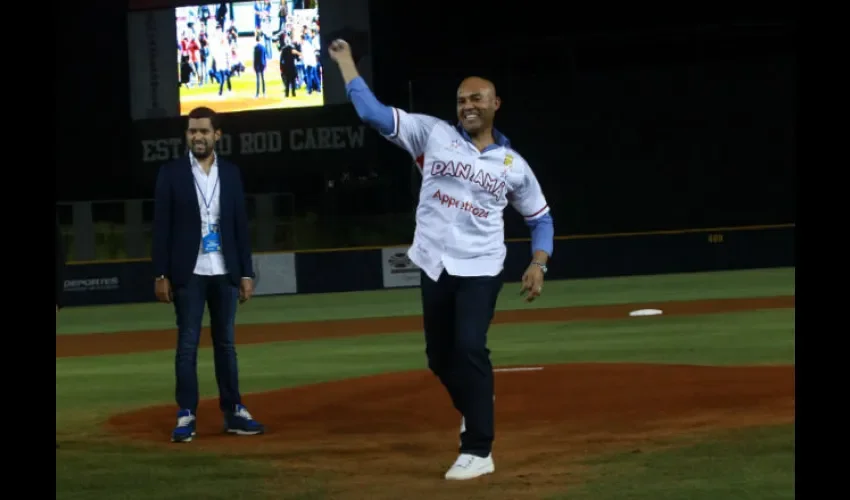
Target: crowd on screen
{"points": [[208, 44]]}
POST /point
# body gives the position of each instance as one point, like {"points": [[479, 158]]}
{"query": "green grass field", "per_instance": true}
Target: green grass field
{"points": [[744, 464]]}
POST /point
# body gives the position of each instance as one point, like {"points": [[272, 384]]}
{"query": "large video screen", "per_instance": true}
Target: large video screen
{"points": [[184, 53], [245, 56]]}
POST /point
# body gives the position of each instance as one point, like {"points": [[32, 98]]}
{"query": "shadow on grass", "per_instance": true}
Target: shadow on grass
{"points": [[94, 470]]}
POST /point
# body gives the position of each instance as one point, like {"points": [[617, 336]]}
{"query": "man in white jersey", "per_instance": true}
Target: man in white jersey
{"points": [[469, 175]]}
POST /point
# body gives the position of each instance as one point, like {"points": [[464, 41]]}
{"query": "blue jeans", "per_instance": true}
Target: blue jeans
{"points": [[311, 78], [299, 69], [261, 79], [189, 301], [223, 76]]}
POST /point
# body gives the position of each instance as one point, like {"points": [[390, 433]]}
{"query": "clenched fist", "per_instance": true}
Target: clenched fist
{"points": [[340, 50]]}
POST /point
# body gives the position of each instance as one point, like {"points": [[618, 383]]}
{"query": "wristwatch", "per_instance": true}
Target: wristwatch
{"points": [[541, 265]]}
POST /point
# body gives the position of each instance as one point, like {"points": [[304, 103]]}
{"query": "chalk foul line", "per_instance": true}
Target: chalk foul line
{"points": [[519, 369]]}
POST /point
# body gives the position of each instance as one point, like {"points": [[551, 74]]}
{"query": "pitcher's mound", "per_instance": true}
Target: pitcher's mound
{"points": [[563, 409], [393, 436]]}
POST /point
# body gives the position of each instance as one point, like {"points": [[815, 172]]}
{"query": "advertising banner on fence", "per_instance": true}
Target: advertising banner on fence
{"points": [[398, 270], [274, 274], [108, 283]]}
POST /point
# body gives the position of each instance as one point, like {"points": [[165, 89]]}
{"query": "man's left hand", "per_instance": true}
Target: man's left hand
{"points": [[532, 282], [246, 290]]}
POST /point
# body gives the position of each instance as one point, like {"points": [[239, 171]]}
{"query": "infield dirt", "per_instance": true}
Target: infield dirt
{"points": [[393, 436]]}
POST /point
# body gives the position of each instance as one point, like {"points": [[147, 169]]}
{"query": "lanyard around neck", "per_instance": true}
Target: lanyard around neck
{"points": [[203, 197]]}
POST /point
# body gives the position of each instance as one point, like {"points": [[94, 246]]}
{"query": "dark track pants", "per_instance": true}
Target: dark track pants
{"points": [[457, 312]]}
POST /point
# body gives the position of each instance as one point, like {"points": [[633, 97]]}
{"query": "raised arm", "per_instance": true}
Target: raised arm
{"points": [[409, 131], [372, 111]]}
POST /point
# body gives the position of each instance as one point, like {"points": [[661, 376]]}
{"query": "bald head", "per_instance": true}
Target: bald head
{"points": [[473, 84], [477, 103]]}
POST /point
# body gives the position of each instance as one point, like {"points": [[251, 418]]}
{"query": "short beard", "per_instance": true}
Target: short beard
{"points": [[204, 155]]}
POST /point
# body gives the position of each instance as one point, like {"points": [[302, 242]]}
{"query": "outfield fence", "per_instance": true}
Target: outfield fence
{"points": [[100, 231], [110, 264]]}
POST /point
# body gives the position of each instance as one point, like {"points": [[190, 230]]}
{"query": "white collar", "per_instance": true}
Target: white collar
{"points": [[196, 164]]}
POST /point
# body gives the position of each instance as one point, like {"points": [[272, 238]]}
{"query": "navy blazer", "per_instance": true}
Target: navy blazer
{"points": [[177, 222]]}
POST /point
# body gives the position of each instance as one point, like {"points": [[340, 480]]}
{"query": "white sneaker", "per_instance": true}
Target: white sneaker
{"points": [[470, 466]]}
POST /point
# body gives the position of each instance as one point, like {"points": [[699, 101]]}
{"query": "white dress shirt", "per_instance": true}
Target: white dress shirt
{"points": [[208, 191], [308, 53]]}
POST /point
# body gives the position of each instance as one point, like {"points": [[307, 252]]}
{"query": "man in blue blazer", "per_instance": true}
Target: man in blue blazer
{"points": [[202, 256]]}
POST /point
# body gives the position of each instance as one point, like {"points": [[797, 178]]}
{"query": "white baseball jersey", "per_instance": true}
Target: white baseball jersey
{"points": [[459, 220]]}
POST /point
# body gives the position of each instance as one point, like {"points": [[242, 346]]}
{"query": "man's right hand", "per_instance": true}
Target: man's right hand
{"points": [[340, 51], [163, 290]]}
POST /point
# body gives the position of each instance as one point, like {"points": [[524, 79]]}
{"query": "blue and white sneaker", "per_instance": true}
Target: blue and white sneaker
{"points": [[241, 422], [185, 430]]}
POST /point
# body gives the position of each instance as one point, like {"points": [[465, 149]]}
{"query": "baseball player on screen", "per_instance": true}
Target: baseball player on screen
{"points": [[469, 175]]}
